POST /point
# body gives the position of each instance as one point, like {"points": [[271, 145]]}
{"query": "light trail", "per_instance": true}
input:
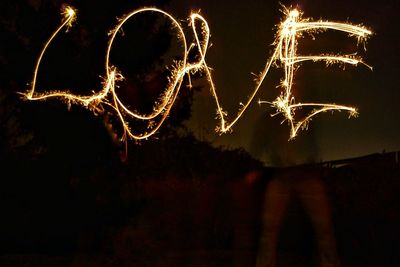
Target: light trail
{"points": [[284, 56]]}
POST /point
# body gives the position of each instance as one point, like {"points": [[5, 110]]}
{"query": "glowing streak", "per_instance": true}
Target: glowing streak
{"points": [[286, 44], [284, 53]]}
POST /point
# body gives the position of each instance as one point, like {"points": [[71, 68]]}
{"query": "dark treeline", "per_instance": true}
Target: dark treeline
{"points": [[71, 197]]}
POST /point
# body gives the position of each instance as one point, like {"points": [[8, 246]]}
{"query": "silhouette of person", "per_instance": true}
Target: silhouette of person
{"points": [[294, 175]]}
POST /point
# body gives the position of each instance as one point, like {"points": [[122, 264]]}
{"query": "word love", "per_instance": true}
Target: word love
{"points": [[284, 56]]}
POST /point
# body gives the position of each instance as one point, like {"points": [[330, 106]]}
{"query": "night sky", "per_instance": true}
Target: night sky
{"points": [[242, 33], [73, 191]]}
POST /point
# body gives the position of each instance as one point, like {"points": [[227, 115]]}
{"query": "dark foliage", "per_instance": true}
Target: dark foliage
{"points": [[68, 200]]}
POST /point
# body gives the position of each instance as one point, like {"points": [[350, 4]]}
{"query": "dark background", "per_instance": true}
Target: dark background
{"points": [[242, 34], [70, 196]]}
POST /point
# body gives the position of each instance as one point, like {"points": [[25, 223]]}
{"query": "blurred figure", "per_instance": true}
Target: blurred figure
{"points": [[294, 176]]}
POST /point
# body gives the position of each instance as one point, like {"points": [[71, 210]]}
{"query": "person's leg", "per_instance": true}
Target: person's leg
{"points": [[277, 196], [311, 191]]}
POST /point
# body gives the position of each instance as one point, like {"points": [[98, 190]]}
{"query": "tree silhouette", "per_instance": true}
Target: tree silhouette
{"points": [[64, 185]]}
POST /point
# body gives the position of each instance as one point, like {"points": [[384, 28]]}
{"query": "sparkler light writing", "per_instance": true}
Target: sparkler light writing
{"points": [[284, 55]]}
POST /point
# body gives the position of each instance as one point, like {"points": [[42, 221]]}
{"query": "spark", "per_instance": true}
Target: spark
{"points": [[286, 46], [284, 56]]}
